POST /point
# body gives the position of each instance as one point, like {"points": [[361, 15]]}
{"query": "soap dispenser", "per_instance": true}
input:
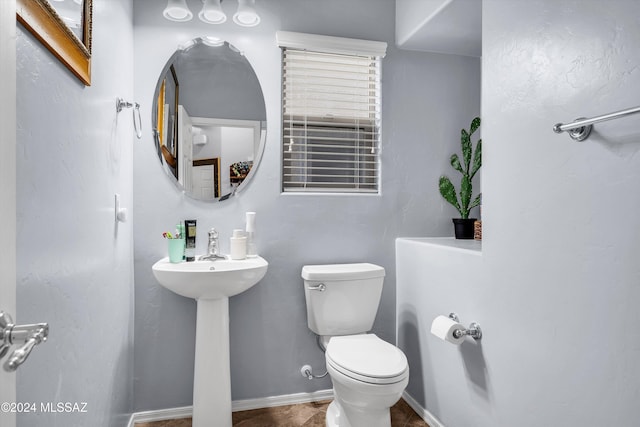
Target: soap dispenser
{"points": [[250, 229], [190, 246]]}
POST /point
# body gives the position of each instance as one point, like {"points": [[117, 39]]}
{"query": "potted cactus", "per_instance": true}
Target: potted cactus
{"points": [[464, 225]]}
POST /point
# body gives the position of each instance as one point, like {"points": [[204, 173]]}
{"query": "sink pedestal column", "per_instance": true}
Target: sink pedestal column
{"points": [[212, 371], [211, 285]]}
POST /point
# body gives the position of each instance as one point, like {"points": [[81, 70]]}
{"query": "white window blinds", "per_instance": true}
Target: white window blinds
{"points": [[330, 114]]}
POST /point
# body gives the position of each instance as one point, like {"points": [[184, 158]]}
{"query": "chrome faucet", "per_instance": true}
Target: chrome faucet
{"points": [[213, 247]]}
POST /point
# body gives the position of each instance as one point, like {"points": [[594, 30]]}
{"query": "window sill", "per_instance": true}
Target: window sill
{"points": [[327, 193]]}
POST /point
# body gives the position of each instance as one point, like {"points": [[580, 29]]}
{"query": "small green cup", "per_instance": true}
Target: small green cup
{"points": [[176, 250]]}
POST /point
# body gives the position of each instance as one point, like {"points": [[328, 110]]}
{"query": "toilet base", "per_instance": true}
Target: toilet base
{"points": [[333, 415], [336, 417]]}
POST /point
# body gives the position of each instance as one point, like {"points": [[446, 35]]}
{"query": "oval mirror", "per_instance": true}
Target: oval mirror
{"points": [[209, 119]]}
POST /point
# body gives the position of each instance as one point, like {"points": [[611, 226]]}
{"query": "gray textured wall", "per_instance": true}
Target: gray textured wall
{"points": [[427, 99], [573, 266], [75, 267]]}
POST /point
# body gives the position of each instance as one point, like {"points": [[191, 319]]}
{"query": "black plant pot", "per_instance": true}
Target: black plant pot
{"points": [[463, 227]]}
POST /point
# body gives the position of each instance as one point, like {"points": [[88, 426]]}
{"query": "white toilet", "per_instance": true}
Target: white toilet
{"points": [[368, 374]]}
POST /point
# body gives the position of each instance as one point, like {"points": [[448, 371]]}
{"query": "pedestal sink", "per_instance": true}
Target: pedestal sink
{"points": [[211, 283]]}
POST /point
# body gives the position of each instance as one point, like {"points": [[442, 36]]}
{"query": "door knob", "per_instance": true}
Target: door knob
{"points": [[27, 336]]}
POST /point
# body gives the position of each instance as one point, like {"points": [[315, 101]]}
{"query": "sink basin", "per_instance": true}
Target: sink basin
{"points": [[210, 279]]}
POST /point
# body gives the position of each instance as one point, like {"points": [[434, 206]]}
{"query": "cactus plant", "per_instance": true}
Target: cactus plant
{"points": [[468, 169]]}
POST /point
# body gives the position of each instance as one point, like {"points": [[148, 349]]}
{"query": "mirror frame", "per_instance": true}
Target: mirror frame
{"points": [[169, 157], [163, 153], [42, 20]]}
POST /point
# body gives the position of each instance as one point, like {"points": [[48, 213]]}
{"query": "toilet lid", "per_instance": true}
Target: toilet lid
{"points": [[367, 356]]}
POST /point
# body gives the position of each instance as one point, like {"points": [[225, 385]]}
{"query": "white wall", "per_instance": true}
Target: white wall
{"points": [[411, 14], [427, 99], [571, 269], [8, 183], [558, 292], [443, 26], [436, 276], [75, 266]]}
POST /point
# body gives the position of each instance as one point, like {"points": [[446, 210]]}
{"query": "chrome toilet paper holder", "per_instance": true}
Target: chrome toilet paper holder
{"points": [[473, 330]]}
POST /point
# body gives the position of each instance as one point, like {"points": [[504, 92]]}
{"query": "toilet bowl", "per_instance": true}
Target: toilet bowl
{"points": [[368, 376]]}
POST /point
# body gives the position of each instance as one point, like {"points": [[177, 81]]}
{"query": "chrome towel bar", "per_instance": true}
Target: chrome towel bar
{"points": [[580, 129]]}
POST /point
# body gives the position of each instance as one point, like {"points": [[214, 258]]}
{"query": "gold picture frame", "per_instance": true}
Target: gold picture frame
{"points": [[42, 20]]}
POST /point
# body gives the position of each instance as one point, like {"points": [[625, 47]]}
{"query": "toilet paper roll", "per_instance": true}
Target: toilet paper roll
{"points": [[443, 327]]}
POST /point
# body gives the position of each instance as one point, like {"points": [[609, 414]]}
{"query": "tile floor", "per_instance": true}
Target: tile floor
{"points": [[301, 415]]}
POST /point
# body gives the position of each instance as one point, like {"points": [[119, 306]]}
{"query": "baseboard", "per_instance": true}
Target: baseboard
{"points": [[269, 402], [236, 405], [423, 413], [160, 415], [287, 399]]}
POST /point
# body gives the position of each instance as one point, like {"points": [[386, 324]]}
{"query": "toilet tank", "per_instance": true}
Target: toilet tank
{"points": [[349, 302]]}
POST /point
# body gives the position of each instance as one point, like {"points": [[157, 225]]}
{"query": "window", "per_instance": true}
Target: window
{"points": [[330, 113]]}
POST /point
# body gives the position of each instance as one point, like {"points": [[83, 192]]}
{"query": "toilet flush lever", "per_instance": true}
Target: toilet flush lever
{"points": [[319, 287]]}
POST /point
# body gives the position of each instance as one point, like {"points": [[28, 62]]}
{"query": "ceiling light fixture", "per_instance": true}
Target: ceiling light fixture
{"points": [[212, 13], [246, 16], [177, 10]]}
